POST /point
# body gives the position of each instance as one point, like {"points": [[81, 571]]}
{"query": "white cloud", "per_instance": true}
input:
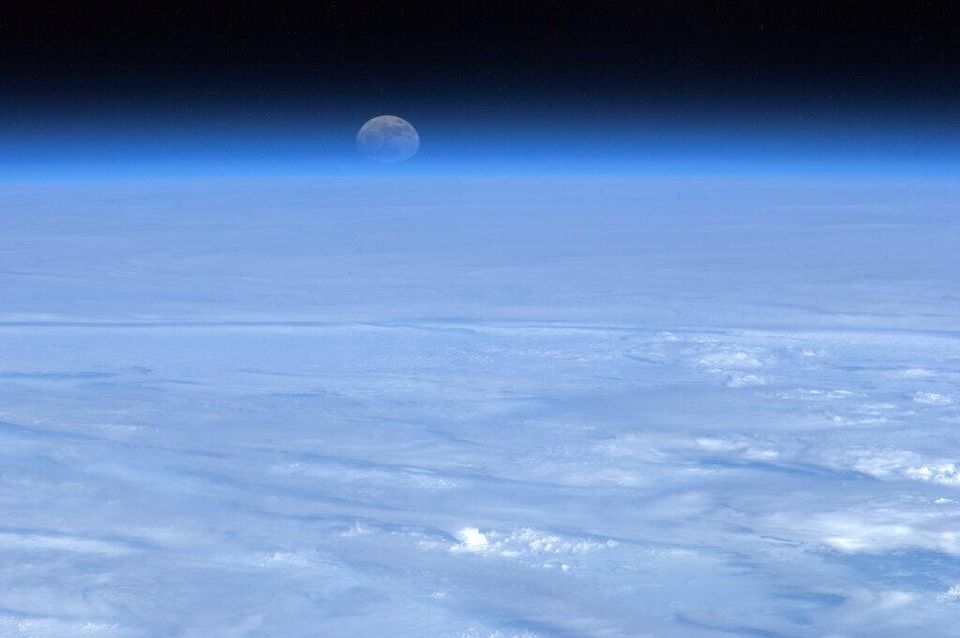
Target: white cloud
{"points": [[471, 540], [952, 594], [525, 543], [731, 359], [807, 394], [916, 373], [477, 633], [57, 628], [49, 542], [740, 380], [886, 531], [931, 398], [900, 464], [943, 473], [741, 448]]}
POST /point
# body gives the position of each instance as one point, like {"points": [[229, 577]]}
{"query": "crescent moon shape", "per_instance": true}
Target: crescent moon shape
{"points": [[388, 138]]}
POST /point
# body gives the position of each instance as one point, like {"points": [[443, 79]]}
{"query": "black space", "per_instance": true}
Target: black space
{"points": [[561, 52]]}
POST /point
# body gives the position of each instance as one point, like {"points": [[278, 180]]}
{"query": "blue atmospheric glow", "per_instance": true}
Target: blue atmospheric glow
{"points": [[267, 144]]}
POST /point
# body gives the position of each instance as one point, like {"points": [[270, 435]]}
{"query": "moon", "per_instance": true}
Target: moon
{"points": [[388, 138]]}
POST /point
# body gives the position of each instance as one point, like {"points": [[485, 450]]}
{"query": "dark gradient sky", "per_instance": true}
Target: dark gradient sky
{"points": [[685, 77]]}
